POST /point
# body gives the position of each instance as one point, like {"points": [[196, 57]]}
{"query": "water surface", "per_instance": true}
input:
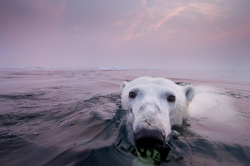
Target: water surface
{"points": [[73, 117]]}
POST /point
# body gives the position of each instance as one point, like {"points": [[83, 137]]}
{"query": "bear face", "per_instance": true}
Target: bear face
{"points": [[154, 105]]}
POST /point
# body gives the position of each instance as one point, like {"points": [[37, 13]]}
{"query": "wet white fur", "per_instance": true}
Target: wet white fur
{"points": [[150, 109]]}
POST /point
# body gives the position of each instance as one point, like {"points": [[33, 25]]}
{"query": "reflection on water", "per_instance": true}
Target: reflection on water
{"points": [[152, 156], [73, 117]]}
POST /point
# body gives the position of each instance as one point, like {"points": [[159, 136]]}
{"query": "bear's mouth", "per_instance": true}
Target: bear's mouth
{"points": [[149, 139]]}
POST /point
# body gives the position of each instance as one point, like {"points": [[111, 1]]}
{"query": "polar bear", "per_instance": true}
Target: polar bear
{"points": [[154, 105]]}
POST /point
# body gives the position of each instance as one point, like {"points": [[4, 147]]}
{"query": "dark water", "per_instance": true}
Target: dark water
{"points": [[58, 117]]}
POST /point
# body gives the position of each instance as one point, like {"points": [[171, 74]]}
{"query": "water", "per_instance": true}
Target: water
{"points": [[72, 117]]}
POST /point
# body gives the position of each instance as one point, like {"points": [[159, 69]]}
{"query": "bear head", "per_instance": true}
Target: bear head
{"points": [[154, 105]]}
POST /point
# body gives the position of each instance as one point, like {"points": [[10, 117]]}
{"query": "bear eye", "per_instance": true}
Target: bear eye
{"points": [[171, 98], [132, 95]]}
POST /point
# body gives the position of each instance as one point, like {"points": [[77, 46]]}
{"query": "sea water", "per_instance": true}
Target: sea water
{"points": [[57, 117]]}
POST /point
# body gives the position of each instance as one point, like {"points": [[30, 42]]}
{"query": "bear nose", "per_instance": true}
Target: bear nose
{"points": [[149, 139]]}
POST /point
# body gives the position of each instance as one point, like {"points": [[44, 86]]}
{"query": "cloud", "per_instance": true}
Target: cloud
{"points": [[147, 22], [205, 8], [240, 32], [49, 9], [144, 2], [131, 29], [166, 18]]}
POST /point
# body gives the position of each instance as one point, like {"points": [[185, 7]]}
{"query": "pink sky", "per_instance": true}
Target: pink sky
{"points": [[171, 34]]}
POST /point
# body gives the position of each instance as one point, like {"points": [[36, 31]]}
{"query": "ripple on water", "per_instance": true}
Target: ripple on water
{"points": [[67, 124]]}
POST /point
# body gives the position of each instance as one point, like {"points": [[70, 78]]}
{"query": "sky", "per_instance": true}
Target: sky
{"points": [[163, 34]]}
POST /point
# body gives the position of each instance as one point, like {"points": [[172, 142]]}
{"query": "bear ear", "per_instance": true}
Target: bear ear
{"points": [[189, 92], [123, 85]]}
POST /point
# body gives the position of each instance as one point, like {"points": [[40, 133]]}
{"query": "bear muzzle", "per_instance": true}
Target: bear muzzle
{"points": [[149, 139]]}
